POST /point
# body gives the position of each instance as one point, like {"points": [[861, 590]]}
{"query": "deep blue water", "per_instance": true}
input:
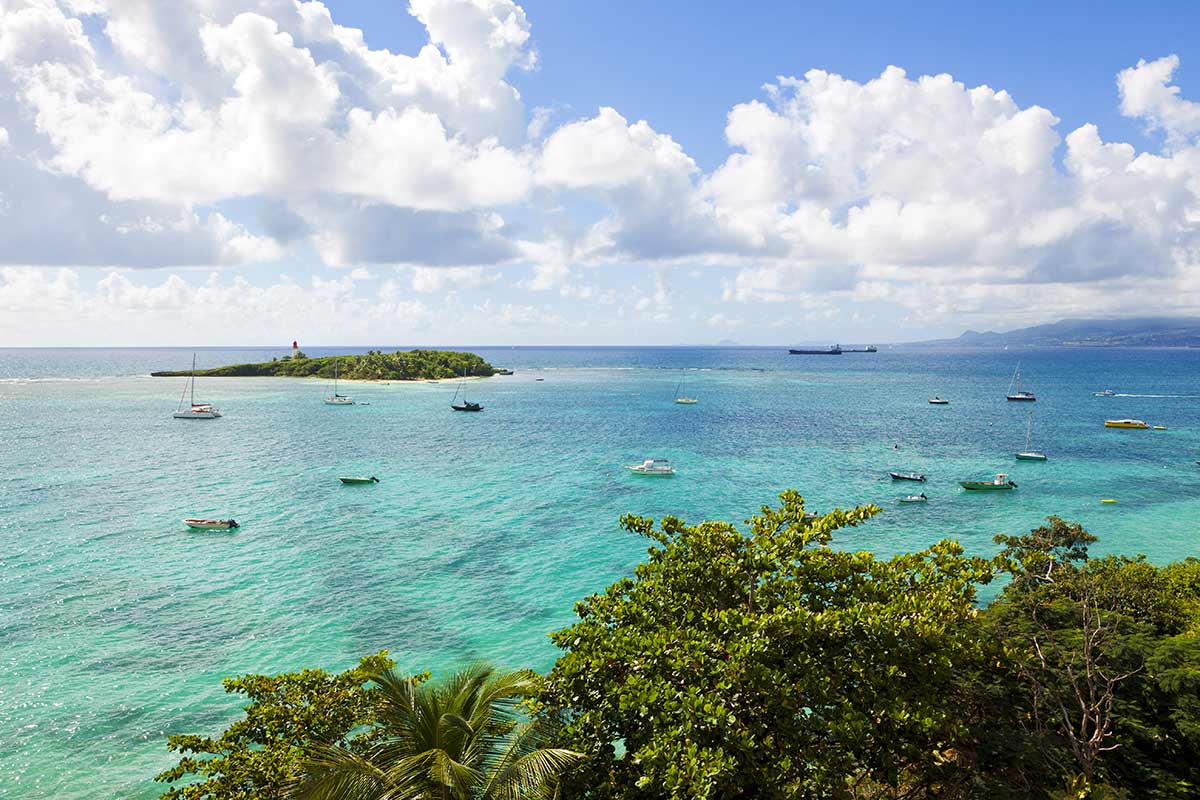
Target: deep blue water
{"points": [[116, 624]]}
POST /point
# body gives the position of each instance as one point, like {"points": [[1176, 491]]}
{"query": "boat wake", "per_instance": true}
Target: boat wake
{"points": [[1168, 396]]}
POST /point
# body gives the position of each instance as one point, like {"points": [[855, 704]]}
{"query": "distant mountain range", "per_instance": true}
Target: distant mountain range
{"points": [[1143, 332]]}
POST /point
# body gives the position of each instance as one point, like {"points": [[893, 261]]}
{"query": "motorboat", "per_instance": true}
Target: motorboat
{"points": [[1125, 423], [358, 481], [937, 401], [660, 467], [907, 476], [466, 406], [1105, 393], [194, 410], [915, 498], [1000, 483], [211, 524]]}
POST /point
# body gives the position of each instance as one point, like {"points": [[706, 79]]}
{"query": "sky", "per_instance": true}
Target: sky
{"points": [[373, 172]]}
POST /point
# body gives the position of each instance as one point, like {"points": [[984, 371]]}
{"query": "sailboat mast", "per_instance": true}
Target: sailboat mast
{"points": [[192, 381], [1028, 431]]}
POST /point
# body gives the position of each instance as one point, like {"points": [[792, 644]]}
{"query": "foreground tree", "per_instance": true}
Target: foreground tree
{"points": [[461, 739], [769, 664], [1100, 669], [261, 753]]}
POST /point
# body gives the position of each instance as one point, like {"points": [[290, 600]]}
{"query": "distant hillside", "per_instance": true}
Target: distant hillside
{"points": [[402, 365], [1144, 332]]}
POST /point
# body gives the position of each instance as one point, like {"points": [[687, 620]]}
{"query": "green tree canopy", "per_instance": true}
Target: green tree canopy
{"points": [[260, 753], [1098, 676], [768, 663]]}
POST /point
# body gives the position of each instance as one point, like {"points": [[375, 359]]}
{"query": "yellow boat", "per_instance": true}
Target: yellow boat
{"points": [[1125, 423], [1107, 500]]}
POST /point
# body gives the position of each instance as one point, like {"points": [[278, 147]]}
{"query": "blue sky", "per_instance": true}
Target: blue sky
{"points": [[683, 65], [563, 172]]}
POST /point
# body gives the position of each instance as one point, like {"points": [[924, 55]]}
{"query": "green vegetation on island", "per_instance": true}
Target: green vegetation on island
{"points": [[766, 663], [374, 365], [1137, 332]]}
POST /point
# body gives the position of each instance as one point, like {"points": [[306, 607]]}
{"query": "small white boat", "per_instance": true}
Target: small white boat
{"points": [[211, 524], [1018, 395], [915, 498], [682, 399], [336, 399], [1029, 454], [937, 401], [197, 411], [1105, 393], [194, 410], [652, 466]]}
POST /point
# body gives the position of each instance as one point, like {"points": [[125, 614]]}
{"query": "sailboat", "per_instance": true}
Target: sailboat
{"points": [[1018, 395], [465, 405], [1027, 454], [336, 399], [681, 399], [194, 410]]}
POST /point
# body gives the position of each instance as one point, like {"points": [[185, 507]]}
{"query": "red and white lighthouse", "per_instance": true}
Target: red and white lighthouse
{"points": [[295, 348]]}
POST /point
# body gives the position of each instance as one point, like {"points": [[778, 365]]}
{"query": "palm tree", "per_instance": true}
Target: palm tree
{"points": [[461, 739]]}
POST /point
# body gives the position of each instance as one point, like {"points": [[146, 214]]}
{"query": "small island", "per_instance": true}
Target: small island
{"points": [[374, 365]]}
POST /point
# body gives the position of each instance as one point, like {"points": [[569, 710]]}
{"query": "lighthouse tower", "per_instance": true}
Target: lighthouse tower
{"points": [[295, 348]]}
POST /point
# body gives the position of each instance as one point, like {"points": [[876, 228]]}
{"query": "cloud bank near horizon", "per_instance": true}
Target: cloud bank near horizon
{"points": [[230, 133]]}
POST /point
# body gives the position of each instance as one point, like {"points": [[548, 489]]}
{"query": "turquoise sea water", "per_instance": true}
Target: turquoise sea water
{"points": [[117, 624]]}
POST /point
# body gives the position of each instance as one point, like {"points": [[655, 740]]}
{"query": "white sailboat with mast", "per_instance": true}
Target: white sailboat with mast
{"points": [[1028, 454], [682, 399], [194, 410], [336, 399], [1019, 396]]}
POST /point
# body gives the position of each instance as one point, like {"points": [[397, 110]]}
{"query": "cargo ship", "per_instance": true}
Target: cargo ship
{"points": [[836, 350]]}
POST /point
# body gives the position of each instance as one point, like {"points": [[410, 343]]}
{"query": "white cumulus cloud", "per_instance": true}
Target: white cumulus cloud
{"points": [[227, 132]]}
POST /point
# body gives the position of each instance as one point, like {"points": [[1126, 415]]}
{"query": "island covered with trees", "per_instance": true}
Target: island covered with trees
{"points": [[767, 662], [374, 365]]}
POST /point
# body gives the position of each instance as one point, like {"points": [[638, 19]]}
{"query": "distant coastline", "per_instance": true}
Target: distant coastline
{"points": [[374, 365], [1179, 332]]}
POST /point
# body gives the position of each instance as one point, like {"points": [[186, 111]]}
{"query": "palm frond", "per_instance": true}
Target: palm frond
{"points": [[460, 778], [332, 772], [534, 774]]}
